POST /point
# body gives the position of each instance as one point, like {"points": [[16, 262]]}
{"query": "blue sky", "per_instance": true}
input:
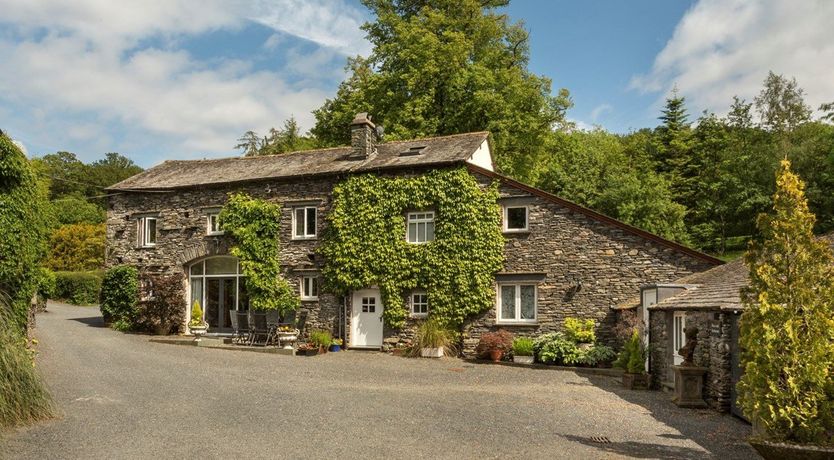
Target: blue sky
{"points": [[165, 79]]}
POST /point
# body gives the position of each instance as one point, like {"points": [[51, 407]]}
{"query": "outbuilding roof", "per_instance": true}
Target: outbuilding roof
{"points": [[174, 174]]}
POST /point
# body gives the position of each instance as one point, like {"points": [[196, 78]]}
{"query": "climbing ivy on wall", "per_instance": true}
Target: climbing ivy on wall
{"points": [[365, 245], [255, 227]]}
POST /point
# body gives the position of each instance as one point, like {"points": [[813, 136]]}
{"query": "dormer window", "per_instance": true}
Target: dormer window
{"points": [[420, 227], [516, 218], [146, 232]]}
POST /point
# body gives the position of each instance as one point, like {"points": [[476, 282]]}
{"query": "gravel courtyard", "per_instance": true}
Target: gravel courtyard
{"points": [[121, 396]]}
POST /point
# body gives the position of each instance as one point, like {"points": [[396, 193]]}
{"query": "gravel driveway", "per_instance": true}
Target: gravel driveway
{"points": [[121, 396]]}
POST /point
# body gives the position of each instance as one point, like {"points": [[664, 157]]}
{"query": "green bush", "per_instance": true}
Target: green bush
{"points": [[597, 354], [23, 398], [78, 288], [321, 338], [556, 348], [523, 346], [580, 331], [196, 315], [119, 294], [633, 356], [46, 283]]}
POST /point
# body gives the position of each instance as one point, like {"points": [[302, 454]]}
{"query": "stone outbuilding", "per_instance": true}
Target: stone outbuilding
{"points": [[561, 260]]}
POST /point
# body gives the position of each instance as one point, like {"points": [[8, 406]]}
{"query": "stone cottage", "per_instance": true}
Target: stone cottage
{"points": [[561, 260]]}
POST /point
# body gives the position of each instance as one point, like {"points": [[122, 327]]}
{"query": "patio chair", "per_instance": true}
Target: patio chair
{"points": [[273, 318], [260, 328], [243, 331]]}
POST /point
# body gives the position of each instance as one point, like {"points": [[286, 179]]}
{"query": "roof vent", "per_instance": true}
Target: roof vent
{"points": [[413, 150]]}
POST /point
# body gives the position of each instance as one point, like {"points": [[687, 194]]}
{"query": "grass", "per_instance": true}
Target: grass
{"points": [[23, 398]]}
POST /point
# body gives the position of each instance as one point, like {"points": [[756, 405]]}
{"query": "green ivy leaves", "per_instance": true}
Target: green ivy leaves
{"points": [[364, 244], [255, 227]]}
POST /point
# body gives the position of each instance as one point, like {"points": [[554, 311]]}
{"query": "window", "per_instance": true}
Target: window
{"points": [[309, 287], [146, 231], [515, 218], [517, 303], [420, 227], [368, 304], [213, 224], [304, 222], [678, 335], [419, 303]]}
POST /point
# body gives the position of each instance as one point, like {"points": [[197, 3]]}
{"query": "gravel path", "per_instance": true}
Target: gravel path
{"points": [[121, 396]]}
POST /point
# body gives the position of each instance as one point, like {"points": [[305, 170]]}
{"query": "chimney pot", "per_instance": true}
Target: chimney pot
{"points": [[363, 137]]}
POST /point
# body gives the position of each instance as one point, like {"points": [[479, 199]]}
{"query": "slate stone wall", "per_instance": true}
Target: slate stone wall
{"points": [[712, 351], [572, 249], [567, 247]]}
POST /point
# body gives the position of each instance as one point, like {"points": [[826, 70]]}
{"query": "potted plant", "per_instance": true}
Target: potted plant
{"points": [[197, 325], [307, 349], [432, 339], [321, 339], [495, 344], [633, 361], [523, 350], [336, 345]]}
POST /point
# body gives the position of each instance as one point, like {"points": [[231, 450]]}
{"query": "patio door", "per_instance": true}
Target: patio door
{"points": [[221, 300], [366, 319], [678, 335]]}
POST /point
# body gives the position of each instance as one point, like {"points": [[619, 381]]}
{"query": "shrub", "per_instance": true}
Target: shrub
{"points": [[46, 283], [77, 210], [598, 354], [580, 331], [633, 356], [78, 288], [166, 309], [77, 247], [119, 294], [627, 322], [523, 346], [321, 338], [196, 315], [23, 398], [556, 348], [499, 340]]}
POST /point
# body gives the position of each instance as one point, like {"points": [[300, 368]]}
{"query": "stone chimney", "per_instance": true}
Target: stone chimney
{"points": [[363, 137]]}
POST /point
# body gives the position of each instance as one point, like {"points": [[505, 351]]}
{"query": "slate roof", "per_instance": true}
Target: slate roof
{"points": [[174, 174], [715, 289]]}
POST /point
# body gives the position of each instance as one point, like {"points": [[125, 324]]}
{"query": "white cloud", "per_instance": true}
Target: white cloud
{"points": [[723, 48], [85, 67], [600, 110]]}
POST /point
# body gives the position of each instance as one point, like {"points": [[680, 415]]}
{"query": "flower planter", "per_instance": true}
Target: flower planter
{"points": [[307, 352], [198, 331], [771, 450], [335, 348], [431, 352], [523, 359], [636, 381], [496, 355]]}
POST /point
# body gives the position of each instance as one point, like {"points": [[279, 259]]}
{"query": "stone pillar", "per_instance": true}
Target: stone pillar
{"points": [[689, 385]]}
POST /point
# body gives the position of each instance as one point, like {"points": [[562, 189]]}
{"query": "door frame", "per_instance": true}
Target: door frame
{"points": [[354, 316], [676, 358]]}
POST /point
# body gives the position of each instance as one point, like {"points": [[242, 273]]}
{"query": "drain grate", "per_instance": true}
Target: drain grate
{"points": [[601, 439]]}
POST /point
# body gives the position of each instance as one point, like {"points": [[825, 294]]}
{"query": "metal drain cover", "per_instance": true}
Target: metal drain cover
{"points": [[601, 439]]}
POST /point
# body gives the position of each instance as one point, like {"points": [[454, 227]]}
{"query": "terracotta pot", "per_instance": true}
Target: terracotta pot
{"points": [[496, 355]]}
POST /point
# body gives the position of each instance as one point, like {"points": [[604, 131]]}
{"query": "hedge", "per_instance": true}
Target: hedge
{"points": [[119, 297], [78, 288]]}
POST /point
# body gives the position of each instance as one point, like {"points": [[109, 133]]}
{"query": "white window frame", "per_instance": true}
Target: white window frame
{"points": [[420, 292], [412, 218], [517, 318], [215, 217], [142, 231], [678, 335], [313, 280], [306, 234], [526, 228]]}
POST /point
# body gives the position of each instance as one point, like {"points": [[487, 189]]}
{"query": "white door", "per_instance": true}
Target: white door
{"points": [[366, 320], [678, 335]]}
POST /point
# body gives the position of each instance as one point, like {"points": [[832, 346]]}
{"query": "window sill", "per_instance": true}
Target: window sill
{"points": [[517, 323], [153, 246], [303, 238], [309, 299], [516, 232], [418, 315], [215, 233]]}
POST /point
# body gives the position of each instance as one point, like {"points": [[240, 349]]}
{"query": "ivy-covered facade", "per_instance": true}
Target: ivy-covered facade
{"points": [[376, 236]]}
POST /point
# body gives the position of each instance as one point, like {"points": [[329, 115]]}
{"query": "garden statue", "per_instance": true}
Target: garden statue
{"points": [[688, 350]]}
